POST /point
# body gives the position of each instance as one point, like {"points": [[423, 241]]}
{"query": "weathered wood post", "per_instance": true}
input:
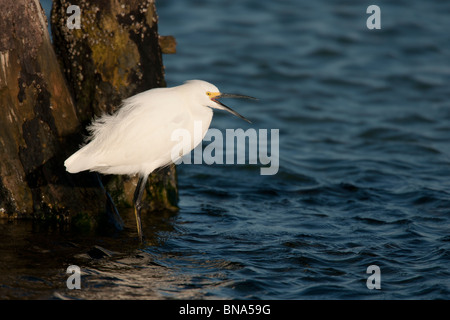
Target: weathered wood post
{"points": [[47, 99], [38, 124], [114, 54]]}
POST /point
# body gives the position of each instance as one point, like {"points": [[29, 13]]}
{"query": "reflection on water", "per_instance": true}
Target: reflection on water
{"points": [[35, 257], [364, 166]]}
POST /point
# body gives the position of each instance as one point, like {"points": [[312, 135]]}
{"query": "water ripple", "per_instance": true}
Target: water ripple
{"points": [[364, 166]]}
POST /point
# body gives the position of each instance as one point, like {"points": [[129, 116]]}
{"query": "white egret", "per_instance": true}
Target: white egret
{"points": [[136, 139]]}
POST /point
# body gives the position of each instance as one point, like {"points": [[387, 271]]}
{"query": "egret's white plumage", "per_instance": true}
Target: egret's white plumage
{"points": [[137, 138]]}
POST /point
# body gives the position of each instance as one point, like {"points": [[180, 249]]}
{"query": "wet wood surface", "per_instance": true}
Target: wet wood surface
{"points": [[50, 92]]}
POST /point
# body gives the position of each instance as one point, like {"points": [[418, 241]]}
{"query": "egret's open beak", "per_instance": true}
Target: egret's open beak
{"points": [[229, 95]]}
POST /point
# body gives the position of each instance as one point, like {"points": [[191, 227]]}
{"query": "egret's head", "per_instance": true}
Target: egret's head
{"points": [[211, 95]]}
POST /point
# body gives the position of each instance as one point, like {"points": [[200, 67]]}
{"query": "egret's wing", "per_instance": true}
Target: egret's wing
{"points": [[140, 136]]}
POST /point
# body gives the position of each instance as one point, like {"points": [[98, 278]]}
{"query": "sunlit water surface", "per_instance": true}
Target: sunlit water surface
{"points": [[364, 175]]}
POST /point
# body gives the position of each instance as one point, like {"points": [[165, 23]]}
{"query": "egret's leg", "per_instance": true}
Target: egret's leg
{"points": [[137, 202], [113, 212]]}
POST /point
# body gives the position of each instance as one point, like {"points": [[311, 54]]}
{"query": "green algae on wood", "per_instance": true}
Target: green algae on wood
{"points": [[38, 123], [114, 55]]}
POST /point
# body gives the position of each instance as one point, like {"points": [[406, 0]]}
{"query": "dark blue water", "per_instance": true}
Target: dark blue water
{"points": [[364, 176], [364, 125]]}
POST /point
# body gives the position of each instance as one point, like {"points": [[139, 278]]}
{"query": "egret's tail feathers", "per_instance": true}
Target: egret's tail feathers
{"points": [[77, 163]]}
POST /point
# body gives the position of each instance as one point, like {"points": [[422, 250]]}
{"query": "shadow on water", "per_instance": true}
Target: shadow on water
{"points": [[35, 257]]}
